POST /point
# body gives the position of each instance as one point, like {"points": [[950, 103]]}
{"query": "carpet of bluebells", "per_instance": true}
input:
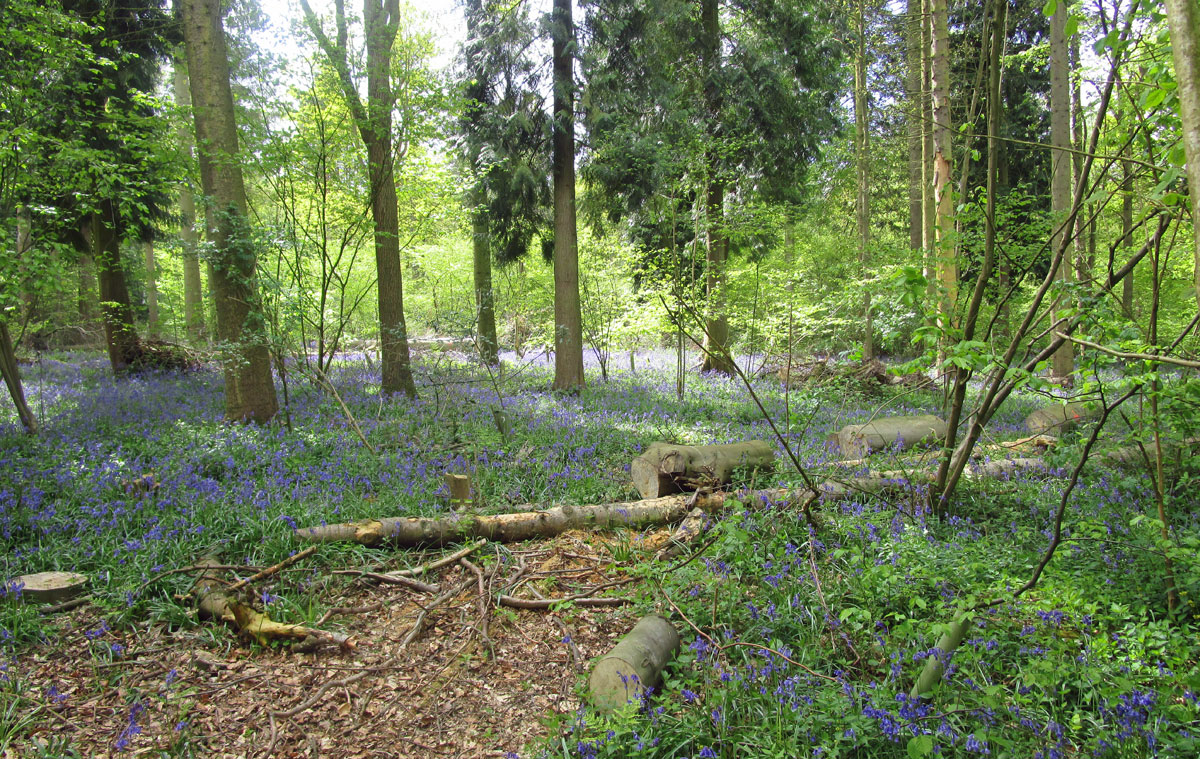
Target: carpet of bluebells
{"points": [[799, 640]]}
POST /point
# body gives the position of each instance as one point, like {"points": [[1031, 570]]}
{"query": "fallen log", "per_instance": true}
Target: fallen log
{"points": [[508, 528], [1059, 418], [215, 602], [859, 440], [635, 664], [665, 468], [1143, 457], [687, 532]]}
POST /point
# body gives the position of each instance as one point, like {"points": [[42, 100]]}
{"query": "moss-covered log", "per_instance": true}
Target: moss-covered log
{"points": [[666, 468], [634, 664]]}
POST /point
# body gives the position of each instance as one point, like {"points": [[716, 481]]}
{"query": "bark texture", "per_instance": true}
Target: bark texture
{"points": [[568, 320], [947, 264], [717, 357], [666, 468], [862, 140], [193, 297], [485, 304], [1063, 364], [103, 235], [916, 124], [635, 664], [1183, 18], [249, 386], [12, 379]]}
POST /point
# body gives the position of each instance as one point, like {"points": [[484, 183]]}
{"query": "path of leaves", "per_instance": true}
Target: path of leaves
{"points": [[202, 692]]}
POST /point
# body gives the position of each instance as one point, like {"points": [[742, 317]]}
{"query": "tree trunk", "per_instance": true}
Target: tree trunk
{"points": [[1084, 257], [916, 124], [1060, 178], [947, 265], [12, 379], [120, 334], [381, 22], [1127, 227], [485, 305], [1183, 17], [928, 209], [87, 303], [862, 134], [666, 468], [568, 321], [152, 324], [193, 298], [249, 387], [717, 356]]}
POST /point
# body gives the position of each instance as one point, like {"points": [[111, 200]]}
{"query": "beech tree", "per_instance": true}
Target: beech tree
{"points": [[249, 387], [193, 298], [1060, 157], [373, 119], [1183, 17], [568, 322]]}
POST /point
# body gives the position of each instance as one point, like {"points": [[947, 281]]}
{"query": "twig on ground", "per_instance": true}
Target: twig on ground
{"points": [[272, 570], [481, 601], [445, 560], [390, 579]]}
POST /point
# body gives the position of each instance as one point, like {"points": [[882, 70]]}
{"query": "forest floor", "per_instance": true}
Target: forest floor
{"points": [[800, 637], [451, 692]]}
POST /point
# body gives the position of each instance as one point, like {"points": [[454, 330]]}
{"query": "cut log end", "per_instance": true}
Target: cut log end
{"points": [[48, 587]]}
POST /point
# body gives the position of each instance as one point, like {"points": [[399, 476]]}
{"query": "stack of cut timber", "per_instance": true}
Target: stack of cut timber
{"points": [[666, 468], [902, 432], [1059, 418]]}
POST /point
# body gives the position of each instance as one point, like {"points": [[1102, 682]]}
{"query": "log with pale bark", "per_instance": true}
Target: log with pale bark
{"points": [[635, 664], [530, 525], [902, 432], [216, 602], [666, 468], [1059, 418], [513, 527]]}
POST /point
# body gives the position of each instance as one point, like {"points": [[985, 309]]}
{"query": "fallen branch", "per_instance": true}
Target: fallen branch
{"points": [[583, 598], [390, 579], [217, 603], [272, 570], [546, 603], [444, 561]]}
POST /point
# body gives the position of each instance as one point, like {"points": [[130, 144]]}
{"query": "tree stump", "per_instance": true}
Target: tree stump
{"points": [[859, 440], [49, 587], [665, 468], [461, 494], [1058, 418], [635, 664]]}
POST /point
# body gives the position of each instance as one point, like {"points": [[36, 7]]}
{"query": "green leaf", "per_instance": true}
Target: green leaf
{"points": [[1154, 97], [1072, 26], [1050, 7], [921, 745]]}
